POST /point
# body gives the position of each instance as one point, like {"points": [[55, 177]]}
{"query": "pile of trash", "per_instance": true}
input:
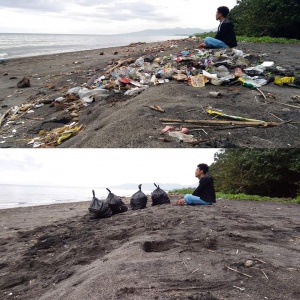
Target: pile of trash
{"points": [[197, 68]]}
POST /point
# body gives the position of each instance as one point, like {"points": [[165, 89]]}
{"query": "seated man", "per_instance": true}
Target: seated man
{"points": [[204, 194], [225, 36]]}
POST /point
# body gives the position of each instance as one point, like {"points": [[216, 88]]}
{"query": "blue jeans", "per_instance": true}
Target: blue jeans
{"points": [[214, 43], [194, 200]]}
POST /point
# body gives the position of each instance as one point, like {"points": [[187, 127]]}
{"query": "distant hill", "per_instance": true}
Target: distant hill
{"points": [[169, 31], [150, 186]]}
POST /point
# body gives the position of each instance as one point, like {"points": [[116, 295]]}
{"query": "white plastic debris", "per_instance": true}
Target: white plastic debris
{"points": [[210, 76], [237, 53], [136, 91], [188, 138], [84, 92], [268, 64], [59, 99]]}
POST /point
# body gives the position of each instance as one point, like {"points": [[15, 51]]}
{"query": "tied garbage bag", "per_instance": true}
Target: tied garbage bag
{"points": [[159, 196], [99, 209], [138, 200], [115, 203]]}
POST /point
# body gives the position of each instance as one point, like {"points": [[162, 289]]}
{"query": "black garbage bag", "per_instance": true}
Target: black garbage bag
{"points": [[99, 209], [138, 200], [159, 196], [115, 203]]}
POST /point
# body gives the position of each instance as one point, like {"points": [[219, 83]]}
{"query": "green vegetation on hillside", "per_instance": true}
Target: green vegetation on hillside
{"points": [[241, 196], [274, 18], [256, 174], [265, 21], [253, 39]]}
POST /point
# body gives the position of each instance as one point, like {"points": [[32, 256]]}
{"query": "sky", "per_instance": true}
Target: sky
{"points": [[106, 16], [101, 167]]}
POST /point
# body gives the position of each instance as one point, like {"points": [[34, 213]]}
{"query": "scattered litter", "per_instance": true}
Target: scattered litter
{"points": [[296, 97], [197, 81], [183, 137], [56, 136], [157, 108], [239, 288], [214, 94], [283, 80]]}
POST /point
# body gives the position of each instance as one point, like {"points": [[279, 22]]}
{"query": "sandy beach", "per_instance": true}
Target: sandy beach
{"points": [[231, 250], [128, 121]]}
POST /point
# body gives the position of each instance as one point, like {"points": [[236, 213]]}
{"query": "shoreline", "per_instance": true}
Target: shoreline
{"points": [[131, 39]]}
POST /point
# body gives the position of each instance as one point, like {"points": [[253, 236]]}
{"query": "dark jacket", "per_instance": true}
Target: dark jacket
{"points": [[226, 34], [206, 190]]}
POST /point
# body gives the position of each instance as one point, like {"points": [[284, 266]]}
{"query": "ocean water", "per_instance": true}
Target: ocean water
{"points": [[14, 45], [28, 195]]}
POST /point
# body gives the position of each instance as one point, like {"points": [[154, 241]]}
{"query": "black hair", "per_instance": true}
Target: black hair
{"points": [[224, 10], [203, 167]]}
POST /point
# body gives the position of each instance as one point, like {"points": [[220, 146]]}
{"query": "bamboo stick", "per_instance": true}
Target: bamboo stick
{"points": [[218, 122]]}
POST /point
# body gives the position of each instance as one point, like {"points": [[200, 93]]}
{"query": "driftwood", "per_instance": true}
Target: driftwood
{"points": [[119, 64], [289, 105], [219, 122], [262, 94], [238, 272], [156, 107], [3, 116]]}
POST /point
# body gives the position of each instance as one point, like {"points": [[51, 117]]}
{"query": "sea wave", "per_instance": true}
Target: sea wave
{"points": [[28, 45]]}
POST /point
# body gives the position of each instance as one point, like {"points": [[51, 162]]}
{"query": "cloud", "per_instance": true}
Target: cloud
{"points": [[34, 5], [101, 167], [106, 16], [16, 161], [93, 10]]}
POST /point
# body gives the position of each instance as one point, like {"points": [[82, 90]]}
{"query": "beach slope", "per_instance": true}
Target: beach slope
{"points": [[135, 121], [231, 250]]}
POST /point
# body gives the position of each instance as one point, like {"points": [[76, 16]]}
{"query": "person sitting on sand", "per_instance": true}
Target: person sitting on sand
{"points": [[204, 194], [225, 36]]}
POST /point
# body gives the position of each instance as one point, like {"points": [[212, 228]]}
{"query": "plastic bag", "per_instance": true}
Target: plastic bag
{"points": [[159, 196], [257, 70], [138, 200], [139, 62], [99, 209], [115, 203], [84, 92], [135, 91]]}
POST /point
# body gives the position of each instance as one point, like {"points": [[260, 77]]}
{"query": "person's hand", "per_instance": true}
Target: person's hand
{"points": [[202, 45]]}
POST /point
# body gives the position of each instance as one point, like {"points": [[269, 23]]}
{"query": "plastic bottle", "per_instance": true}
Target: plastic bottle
{"points": [[249, 85]]}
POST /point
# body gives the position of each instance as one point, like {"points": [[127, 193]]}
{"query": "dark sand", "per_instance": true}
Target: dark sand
{"points": [[123, 121], [162, 252]]}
